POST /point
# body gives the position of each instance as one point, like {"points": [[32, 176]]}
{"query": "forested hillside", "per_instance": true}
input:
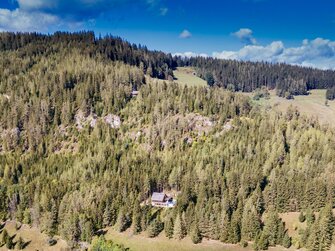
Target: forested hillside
{"points": [[248, 76], [78, 153], [288, 80]]}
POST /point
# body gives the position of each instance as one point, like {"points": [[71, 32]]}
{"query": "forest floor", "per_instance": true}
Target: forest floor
{"points": [[185, 75], [311, 105], [34, 239]]}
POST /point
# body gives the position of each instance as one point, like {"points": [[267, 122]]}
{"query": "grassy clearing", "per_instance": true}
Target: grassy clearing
{"points": [[293, 225], [34, 238], [161, 243], [311, 105], [185, 75]]}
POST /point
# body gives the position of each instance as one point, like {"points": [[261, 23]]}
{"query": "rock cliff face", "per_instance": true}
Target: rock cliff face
{"points": [[81, 120]]}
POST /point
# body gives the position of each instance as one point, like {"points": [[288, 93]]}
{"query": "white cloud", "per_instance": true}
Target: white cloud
{"points": [[20, 20], [253, 52], [319, 53], [245, 36], [185, 34], [187, 54], [190, 54], [50, 15]]}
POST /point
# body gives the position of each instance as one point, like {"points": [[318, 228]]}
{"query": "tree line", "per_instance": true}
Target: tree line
{"points": [[233, 75], [248, 76]]}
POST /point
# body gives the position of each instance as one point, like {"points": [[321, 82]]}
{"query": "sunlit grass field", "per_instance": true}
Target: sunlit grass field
{"points": [[313, 104], [161, 243], [184, 75]]}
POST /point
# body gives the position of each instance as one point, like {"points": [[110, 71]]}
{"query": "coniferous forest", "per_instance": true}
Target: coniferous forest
{"points": [[79, 153]]}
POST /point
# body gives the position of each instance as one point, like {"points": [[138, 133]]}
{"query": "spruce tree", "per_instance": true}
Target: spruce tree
{"points": [[54, 219], [137, 228], [261, 242], [169, 227], [251, 224], [313, 242], [235, 228], [286, 242], [273, 228], [7, 240], [196, 236], [123, 221], [20, 244], [107, 217], [5, 237], [179, 228], [310, 217], [327, 223], [155, 227], [302, 217], [224, 229]]}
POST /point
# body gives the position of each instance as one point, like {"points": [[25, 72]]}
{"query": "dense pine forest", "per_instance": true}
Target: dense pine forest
{"points": [[79, 153]]}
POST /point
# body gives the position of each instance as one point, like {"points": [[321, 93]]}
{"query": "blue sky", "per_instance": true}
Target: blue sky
{"points": [[295, 31]]}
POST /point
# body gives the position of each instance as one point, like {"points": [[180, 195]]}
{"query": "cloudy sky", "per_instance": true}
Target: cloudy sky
{"points": [[294, 31]]}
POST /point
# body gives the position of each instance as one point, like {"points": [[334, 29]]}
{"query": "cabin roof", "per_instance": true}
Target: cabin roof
{"points": [[158, 197]]}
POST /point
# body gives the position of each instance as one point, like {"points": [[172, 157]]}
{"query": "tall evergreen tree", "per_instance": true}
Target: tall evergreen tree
{"points": [[179, 228]]}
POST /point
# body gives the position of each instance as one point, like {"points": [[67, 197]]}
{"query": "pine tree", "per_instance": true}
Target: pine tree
{"points": [[86, 230], [155, 228], [5, 236], [196, 236], [123, 221], [321, 234], [286, 242], [327, 223], [310, 217], [54, 219], [261, 242], [169, 227], [313, 241], [137, 228], [302, 217], [27, 216], [107, 217], [20, 244], [273, 228], [224, 229], [251, 224], [235, 228], [7, 240], [179, 228]]}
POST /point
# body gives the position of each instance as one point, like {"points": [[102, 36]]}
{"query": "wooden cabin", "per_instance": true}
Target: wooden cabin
{"points": [[162, 200]]}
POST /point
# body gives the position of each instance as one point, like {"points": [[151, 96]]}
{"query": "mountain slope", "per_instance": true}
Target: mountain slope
{"points": [[79, 152]]}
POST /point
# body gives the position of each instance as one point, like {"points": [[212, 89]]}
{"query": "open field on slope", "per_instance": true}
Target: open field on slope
{"points": [[311, 105], [161, 243], [184, 75], [33, 238]]}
